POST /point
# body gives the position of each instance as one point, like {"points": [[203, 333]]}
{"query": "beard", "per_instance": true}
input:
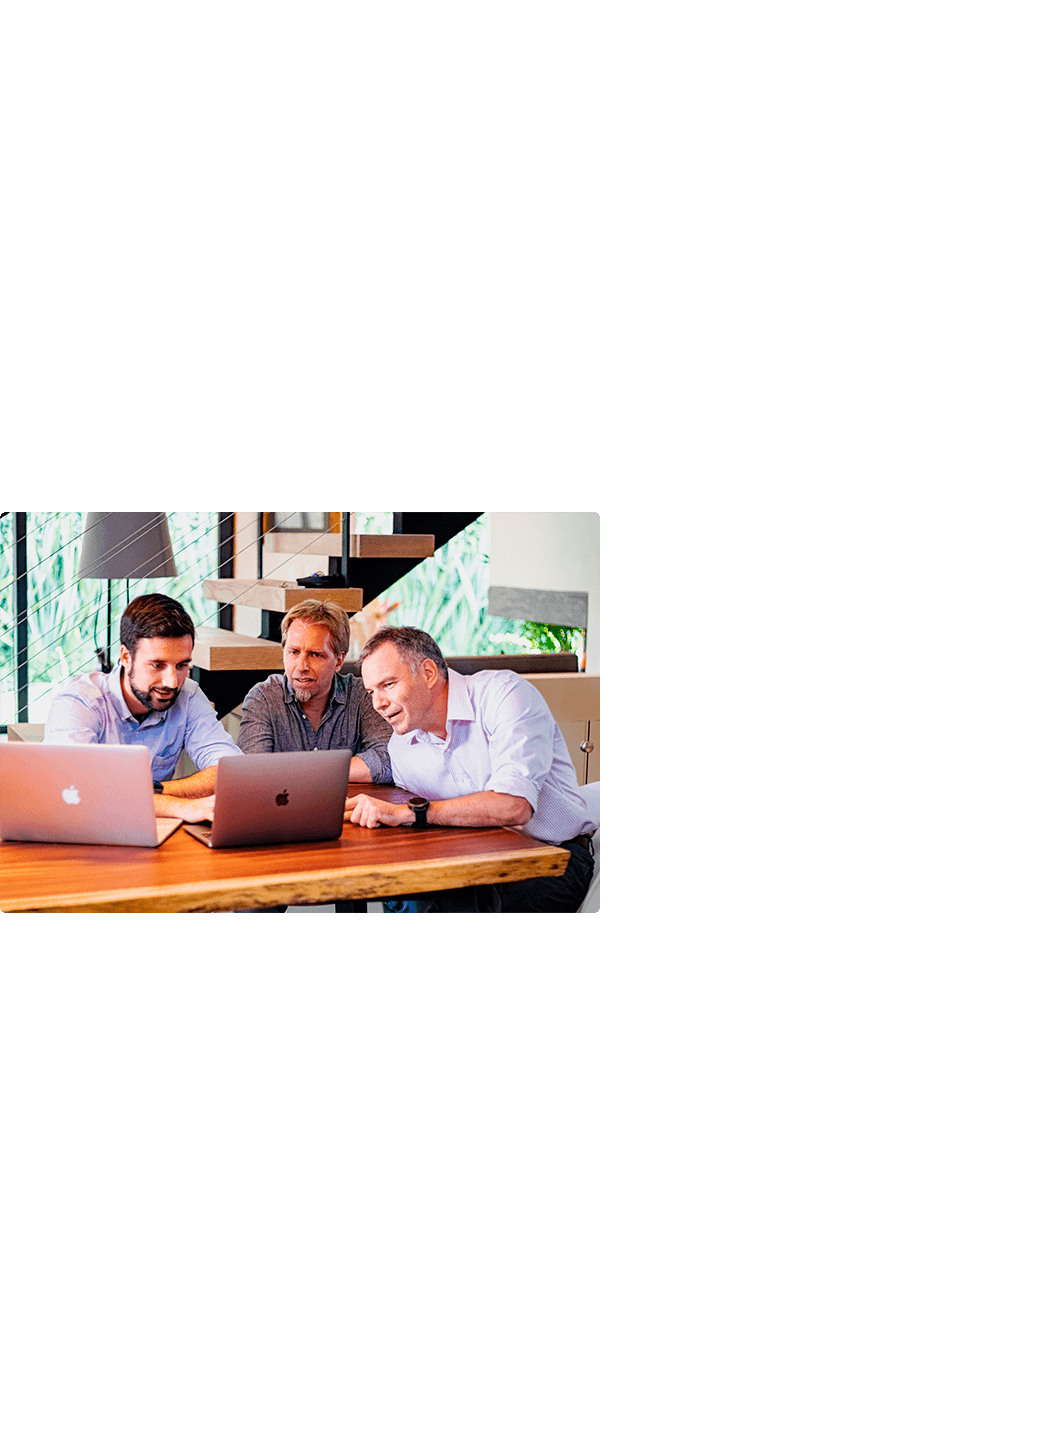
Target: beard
{"points": [[156, 703]]}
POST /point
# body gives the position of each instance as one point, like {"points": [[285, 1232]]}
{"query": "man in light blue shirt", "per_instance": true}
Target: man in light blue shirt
{"points": [[149, 700]]}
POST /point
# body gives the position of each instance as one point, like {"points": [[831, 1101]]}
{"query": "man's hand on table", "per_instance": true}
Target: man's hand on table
{"points": [[369, 813], [193, 811]]}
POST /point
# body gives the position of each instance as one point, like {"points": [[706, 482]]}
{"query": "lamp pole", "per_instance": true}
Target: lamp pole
{"points": [[21, 607]]}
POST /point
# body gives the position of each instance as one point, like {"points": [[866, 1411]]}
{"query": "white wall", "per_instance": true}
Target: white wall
{"points": [[247, 619], [549, 551]]}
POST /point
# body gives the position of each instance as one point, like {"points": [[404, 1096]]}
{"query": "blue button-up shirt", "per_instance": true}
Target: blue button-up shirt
{"points": [[91, 710]]}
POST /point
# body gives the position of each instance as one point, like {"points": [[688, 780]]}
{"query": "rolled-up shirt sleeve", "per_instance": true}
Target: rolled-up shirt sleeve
{"points": [[374, 734], [205, 738], [520, 742]]}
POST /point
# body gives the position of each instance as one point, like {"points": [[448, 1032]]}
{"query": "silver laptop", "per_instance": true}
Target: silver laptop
{"points": [[79, 794], [277, 799]]}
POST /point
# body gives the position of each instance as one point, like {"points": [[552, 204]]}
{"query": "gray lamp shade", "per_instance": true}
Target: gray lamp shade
{"points": [[126, 546]]}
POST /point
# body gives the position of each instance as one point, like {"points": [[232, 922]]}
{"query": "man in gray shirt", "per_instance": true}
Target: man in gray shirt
{"points": [[311, 706]]}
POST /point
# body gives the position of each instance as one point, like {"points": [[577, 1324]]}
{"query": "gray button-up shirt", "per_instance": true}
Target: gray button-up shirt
{"points": [[273, 722]]}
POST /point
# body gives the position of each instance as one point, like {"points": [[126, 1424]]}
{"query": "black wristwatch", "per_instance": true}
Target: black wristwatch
{"points": [[419, 808], [157, 786]]}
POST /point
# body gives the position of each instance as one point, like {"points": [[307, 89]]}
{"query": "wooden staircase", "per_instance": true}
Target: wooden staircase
{"points": [[227, 664]]}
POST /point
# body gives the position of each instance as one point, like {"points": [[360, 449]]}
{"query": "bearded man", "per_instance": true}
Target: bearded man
{"points": [[148, 699]]}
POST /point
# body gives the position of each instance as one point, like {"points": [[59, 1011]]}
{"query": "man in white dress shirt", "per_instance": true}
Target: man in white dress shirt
{"points": [[484, 750]]}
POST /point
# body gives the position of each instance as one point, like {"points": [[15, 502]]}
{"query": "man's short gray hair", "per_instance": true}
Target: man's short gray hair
{"points": [[413, 645]]}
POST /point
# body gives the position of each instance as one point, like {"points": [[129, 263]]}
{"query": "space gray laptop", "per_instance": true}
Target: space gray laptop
{"points": [[79, 794], [277, 799]]}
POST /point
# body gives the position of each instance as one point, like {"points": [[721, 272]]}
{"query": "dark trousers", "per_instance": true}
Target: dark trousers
{"points": [[343, 906], [553, 894]]}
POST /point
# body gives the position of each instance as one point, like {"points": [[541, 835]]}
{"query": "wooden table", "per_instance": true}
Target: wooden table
{"points": [[184, 876]]}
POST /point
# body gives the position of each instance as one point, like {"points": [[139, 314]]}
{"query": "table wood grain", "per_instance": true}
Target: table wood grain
{"points": [[185, 876]]}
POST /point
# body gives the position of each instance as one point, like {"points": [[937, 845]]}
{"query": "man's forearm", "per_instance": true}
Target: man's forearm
{"points": [[480, 811], [195, 786], [487, 810], [359, 771]]}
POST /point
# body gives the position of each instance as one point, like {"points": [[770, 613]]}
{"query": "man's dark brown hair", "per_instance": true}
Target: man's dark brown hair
{"points": [[153, 616]]}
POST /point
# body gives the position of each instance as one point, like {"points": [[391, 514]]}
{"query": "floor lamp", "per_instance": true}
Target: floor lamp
{"points": [[127, 546]]}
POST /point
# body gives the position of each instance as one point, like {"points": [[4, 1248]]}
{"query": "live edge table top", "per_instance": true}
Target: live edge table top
{"points": [[185, 876]]}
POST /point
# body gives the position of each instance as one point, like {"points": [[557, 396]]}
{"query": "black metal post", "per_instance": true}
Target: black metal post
{"points": [[398, 522], [21, 606], [225, 562], [344, 568], [260, 544]]}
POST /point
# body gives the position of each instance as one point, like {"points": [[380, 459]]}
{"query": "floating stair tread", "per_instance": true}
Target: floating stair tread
{"points": [[391, 546], [269, 594], [362, 546], [224, 649]]}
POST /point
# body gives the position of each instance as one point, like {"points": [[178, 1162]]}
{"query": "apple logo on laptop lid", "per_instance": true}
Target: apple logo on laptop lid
{"points": [[71, 794], [282, 798]]}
